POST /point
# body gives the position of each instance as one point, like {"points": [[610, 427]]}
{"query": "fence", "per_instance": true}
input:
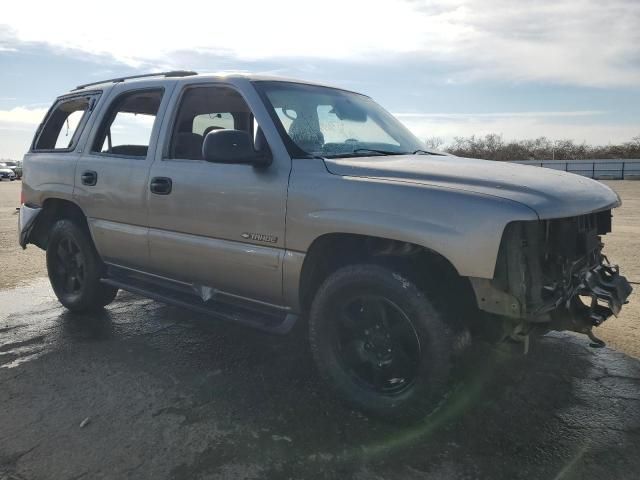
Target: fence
{"points": [[598, 169]]}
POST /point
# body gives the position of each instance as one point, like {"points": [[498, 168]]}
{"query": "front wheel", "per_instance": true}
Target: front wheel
{"points": [[75, 269], [379, 342]]}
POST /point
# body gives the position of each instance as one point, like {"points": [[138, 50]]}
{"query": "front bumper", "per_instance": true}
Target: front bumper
{"points": [[601, 293], [26, 221]]}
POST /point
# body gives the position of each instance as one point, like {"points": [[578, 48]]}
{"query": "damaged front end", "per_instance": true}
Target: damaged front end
{"points": [[552, 275]]}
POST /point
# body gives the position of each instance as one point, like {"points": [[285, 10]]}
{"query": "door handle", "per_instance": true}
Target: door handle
{"points": [[161, 185], [89, 177]]}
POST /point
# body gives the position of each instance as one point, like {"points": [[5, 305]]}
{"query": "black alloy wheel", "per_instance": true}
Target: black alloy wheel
{"points": [[377, 343]]}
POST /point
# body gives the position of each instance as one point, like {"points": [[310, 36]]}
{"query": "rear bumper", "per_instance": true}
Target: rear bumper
{"points": [[26, 221]]}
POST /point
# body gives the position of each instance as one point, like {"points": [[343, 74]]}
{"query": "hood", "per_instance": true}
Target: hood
{"points": [[551, 193]]}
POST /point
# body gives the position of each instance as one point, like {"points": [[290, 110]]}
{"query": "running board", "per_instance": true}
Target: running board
{"points": [[267, 319]]}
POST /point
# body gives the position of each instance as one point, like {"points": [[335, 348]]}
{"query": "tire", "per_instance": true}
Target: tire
{"points": [[364, 324], [75, 269]]}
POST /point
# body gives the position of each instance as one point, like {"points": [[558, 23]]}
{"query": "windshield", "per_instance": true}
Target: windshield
{"points": [[327, 122]]}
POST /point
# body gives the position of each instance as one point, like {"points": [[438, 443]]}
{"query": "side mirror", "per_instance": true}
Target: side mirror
{"points": [[233, 146]]}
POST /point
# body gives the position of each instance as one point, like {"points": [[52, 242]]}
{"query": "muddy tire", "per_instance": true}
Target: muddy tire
{"points": [[379, 343], [75, 269]]}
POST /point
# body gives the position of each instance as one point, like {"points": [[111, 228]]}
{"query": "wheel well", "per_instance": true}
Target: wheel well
{"points": [[430, 271], [54, 209]]}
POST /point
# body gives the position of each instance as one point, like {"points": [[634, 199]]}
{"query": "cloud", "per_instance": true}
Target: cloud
{"points": [[575, 42], [23, 115], [577, 113], [518, 126], [591, 126], [17, 126]]}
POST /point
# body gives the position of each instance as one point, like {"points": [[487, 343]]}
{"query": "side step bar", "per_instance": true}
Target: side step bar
{"points": [[268, 320]]}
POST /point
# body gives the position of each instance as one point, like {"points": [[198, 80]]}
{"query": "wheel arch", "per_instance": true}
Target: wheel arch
{"points": [[428, 269], [54, 209]]}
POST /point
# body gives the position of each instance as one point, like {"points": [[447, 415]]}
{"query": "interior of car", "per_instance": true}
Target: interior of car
{"points": [[126, 129], [207, 109]]}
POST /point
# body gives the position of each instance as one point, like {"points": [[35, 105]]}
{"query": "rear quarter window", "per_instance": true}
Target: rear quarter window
{"points": [[64, 123]]}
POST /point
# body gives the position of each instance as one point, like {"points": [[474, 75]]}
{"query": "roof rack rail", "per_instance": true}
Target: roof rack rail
{"points": [[173, 73]]}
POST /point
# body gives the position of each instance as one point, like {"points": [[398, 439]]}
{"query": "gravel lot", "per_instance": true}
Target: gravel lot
{"points": [[16, 265], [144, 390]]}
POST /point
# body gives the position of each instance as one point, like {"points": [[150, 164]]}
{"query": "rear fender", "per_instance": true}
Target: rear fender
{"points": [[26, 221]]}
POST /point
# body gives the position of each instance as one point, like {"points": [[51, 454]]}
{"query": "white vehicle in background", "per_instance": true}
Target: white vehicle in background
{"points": [[6, 173], [15, 166]]}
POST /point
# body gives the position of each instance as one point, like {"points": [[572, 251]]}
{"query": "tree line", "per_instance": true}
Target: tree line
{"points": [[494, 147]]}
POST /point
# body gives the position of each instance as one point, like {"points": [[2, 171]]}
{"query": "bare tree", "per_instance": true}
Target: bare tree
{"points": [[493, 147], [434, 143]]}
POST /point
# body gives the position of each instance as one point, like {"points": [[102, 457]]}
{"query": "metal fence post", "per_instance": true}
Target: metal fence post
{"points": [[622, 178], [593, 170]]}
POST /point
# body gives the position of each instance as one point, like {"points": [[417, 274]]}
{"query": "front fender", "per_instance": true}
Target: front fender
{"points": [[464, 227]]}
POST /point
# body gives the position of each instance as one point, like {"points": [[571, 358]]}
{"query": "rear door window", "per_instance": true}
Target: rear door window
{"points": [[127, 127], [63, 125]]}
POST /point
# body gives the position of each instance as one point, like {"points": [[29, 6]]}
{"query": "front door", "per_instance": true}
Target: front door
{"points": [[214, 224], [112, 173]]}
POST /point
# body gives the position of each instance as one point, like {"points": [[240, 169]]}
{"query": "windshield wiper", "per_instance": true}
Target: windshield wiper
{"points": [[426, 152], [354, 153], [381, 152]]}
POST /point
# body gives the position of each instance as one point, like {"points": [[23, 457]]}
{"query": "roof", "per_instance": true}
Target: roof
{"points": [[186, 75]]}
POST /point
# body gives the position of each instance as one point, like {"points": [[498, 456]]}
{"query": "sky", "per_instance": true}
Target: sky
{"points": [[564, 69]]}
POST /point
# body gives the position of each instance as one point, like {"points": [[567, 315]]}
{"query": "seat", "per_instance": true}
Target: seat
{"points": [[130, 150], [306, 133], [210, 129], [187, 145]]}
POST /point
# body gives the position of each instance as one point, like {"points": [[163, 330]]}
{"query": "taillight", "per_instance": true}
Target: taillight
{"points": [[22, 194]]}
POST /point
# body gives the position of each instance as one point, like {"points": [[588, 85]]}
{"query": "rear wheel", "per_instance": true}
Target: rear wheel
{"points": [[75, 269], [379, 342]]}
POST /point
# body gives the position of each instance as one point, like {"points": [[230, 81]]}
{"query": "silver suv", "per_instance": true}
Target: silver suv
{"points": [[262, 201]]}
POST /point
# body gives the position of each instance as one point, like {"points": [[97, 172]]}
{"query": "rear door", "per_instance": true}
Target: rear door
{"points": [[112, 173], [52, 159], [220, 225]]}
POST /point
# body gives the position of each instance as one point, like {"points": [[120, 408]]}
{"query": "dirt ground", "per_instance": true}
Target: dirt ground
{"points": [[622, 246], [16, 265]]}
